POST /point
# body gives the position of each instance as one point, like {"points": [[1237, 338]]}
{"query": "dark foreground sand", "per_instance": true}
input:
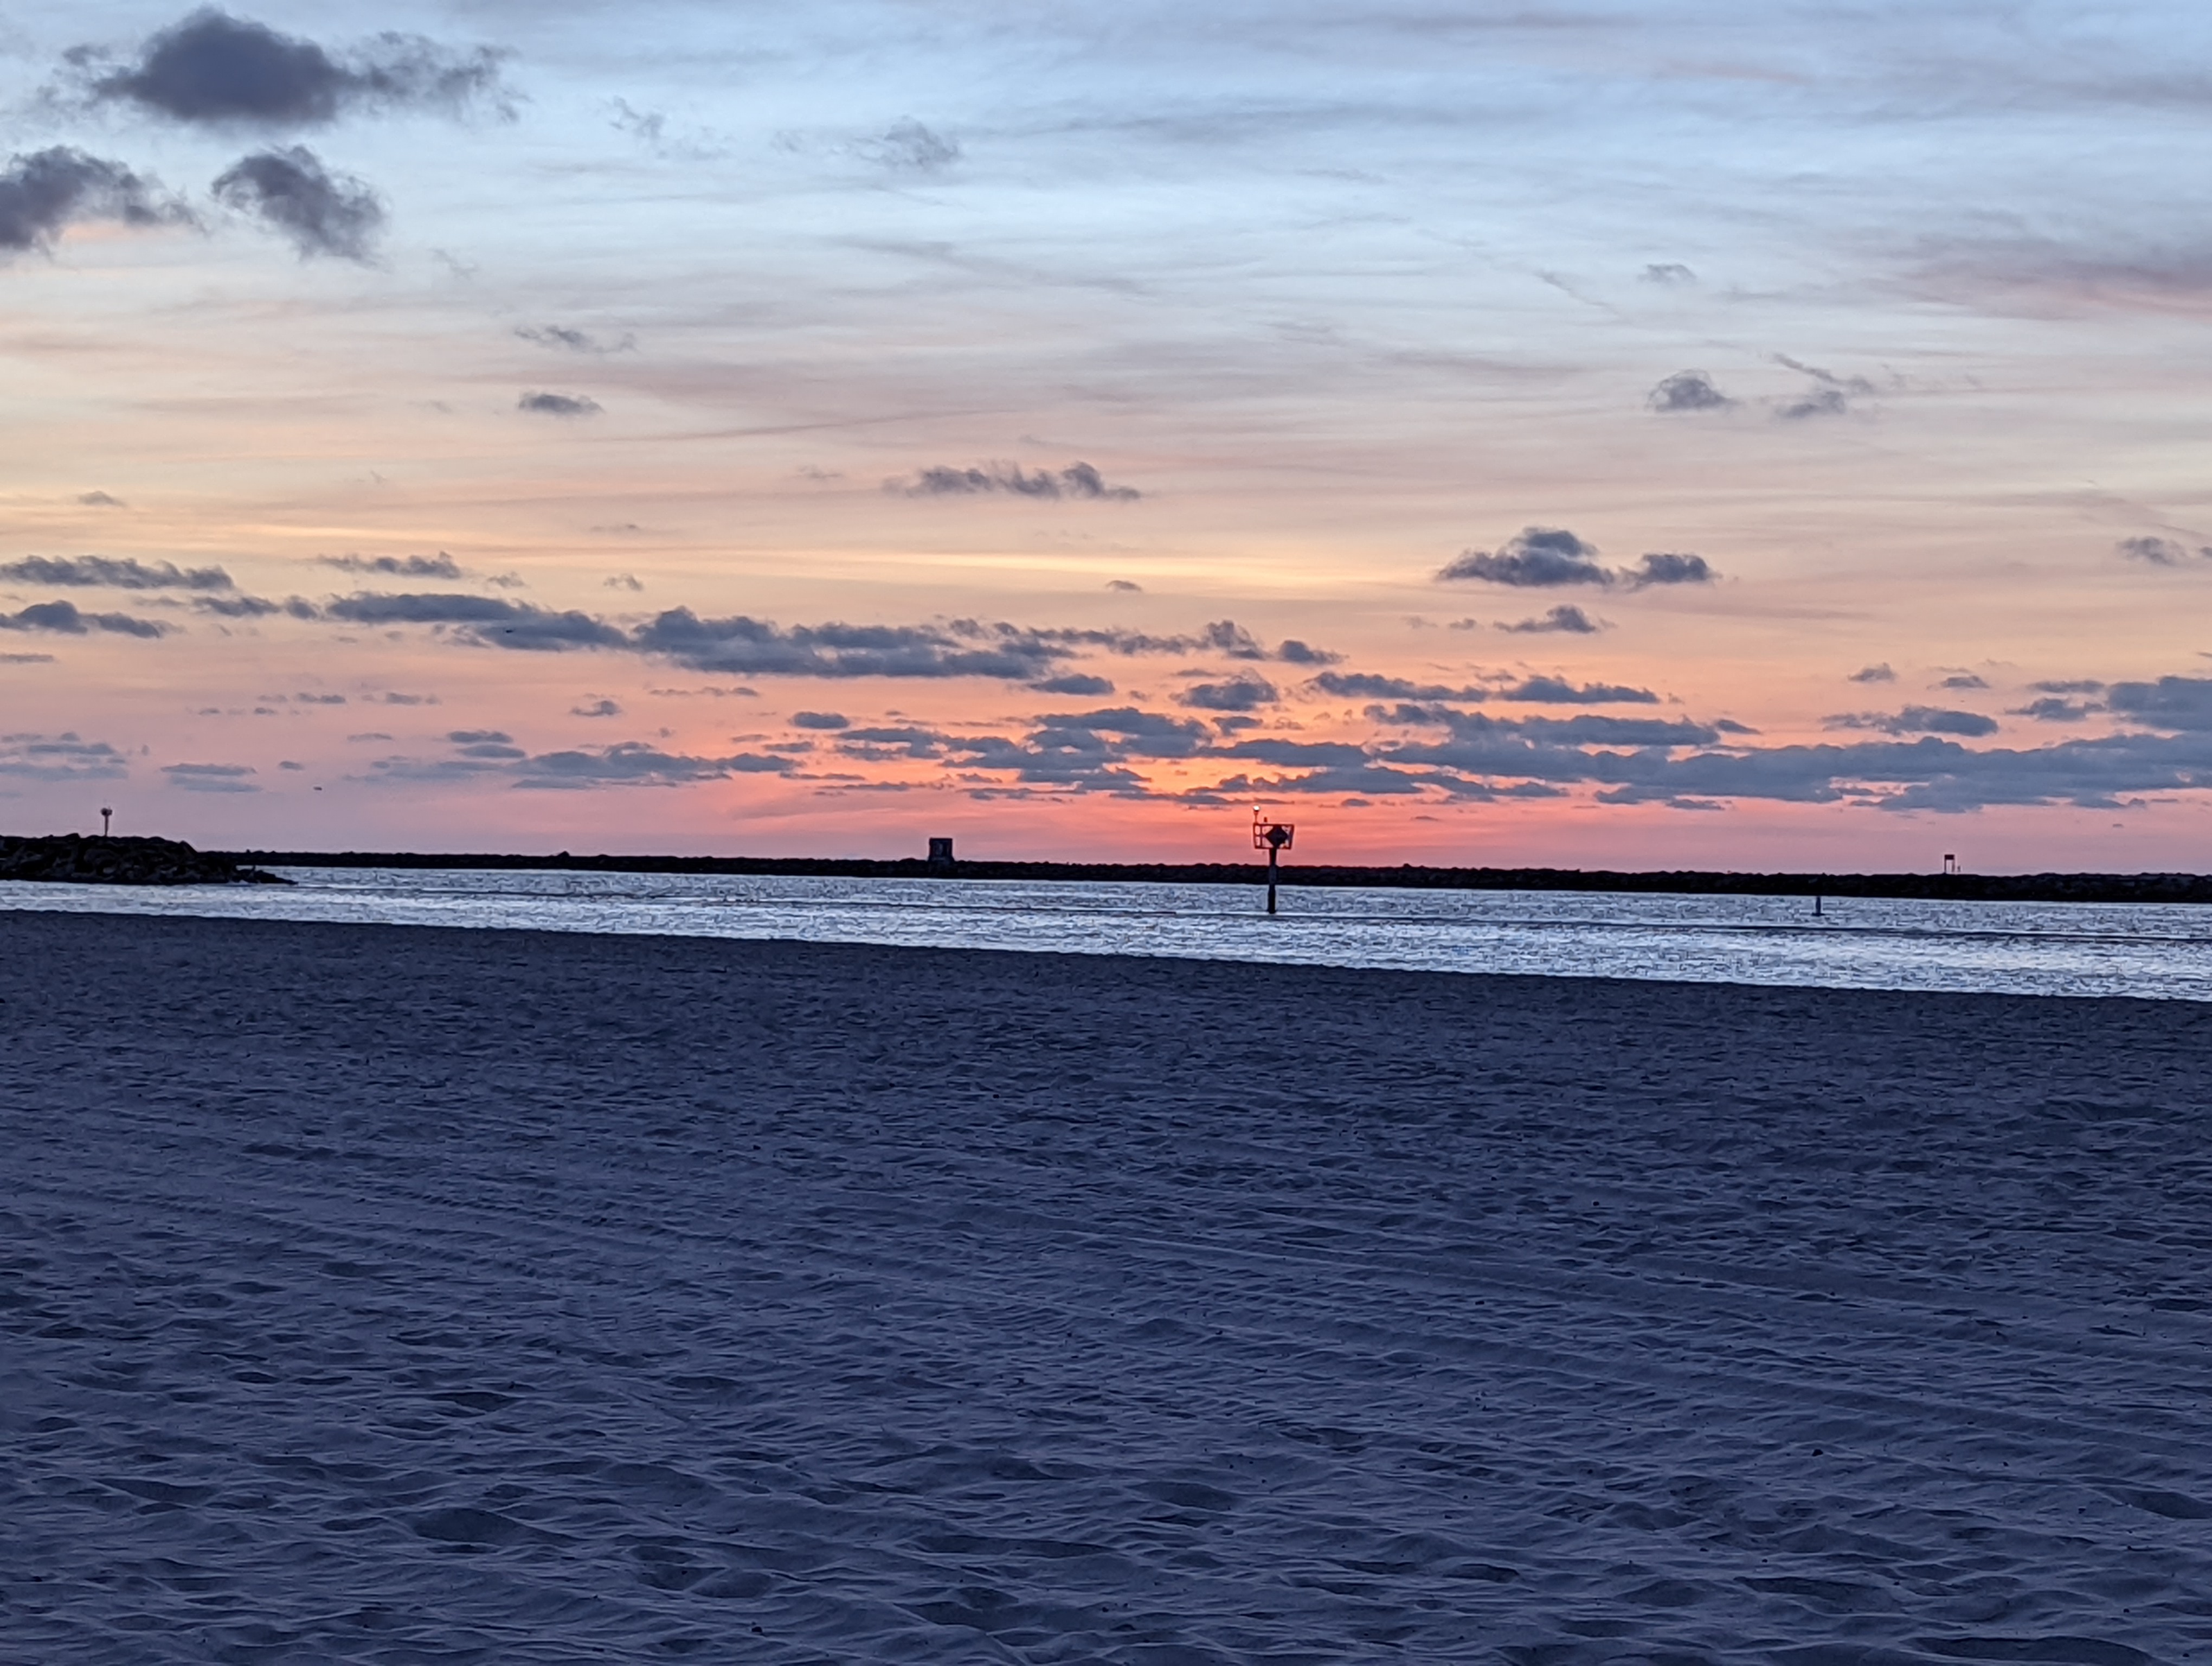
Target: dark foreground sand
{"points": [[377, 1294]]}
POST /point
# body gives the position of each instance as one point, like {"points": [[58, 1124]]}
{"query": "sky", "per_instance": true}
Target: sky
{"points": [[1635, 435]]}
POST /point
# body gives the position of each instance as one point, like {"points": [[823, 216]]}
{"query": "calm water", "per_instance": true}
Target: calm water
{"points": [[2064, 949]]}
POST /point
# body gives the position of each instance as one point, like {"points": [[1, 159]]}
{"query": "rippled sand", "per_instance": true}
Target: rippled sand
{"points": [[379, 1294]]}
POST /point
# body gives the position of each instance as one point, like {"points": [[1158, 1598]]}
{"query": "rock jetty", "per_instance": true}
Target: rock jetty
{"points": [[73, 858], [1936, 887]]}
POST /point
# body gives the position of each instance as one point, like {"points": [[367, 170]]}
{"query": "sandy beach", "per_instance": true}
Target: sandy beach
{"points": [[406, 1295]]}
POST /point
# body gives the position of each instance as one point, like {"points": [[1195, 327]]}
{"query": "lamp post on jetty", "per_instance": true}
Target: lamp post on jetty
{"points": [[1274, 838], [107, 818]]}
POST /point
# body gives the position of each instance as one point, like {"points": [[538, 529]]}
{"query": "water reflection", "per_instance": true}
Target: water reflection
{"points": [[2163, 951]]}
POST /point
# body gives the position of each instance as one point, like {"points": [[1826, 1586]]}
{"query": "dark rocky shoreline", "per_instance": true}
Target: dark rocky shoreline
{"points": [[1945, 887], [73, 859]]}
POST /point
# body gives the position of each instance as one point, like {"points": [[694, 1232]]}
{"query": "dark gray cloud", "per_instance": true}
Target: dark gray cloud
{"points": [[113, 573], [2161, 552], [1125, 584], [26, 659], [1918, 720], [2171, 703], [558, 405], [1880, 673], [1533, 690], [1087, 751], [1497, 754], [749, 646], [908, 147], [1037, 657], [600, 707], [1534, 557], [1564, 618], [1227, 637], [492, 749], [1819, 402], [820, 721], [63, 619], [1367, 685], [440, 566], [1078, 480], [1455, 753], [573, 341], [1475, 756], [1075, 752], [1300, 754], [101, 500], [1669, 567], [1543, 557], [64, 756], [1688, 390], [292, 193], [1599, 729], [958, 647], [2069, 685], [483, 619], [43, 194], [386, 771], [1366, 781], [255, 607], [210, 778], [883, 742], [1963, 681], [1667, 272], [2054, 709], [1078, 683], [214, 69], [635, 763], [1244, 692], [1558, 691]]}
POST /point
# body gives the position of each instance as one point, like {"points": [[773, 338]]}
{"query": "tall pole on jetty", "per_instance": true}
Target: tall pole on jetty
{"points": [[1274, 838]]}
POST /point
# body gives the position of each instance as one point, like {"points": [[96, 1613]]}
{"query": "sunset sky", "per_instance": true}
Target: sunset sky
{"points": [[1618, 434]]}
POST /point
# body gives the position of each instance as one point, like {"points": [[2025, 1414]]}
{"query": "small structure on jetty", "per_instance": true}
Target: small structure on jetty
{"points": [[940, 853]]}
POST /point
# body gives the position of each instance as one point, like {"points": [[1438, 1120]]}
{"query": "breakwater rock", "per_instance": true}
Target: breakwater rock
{"points": [[73, 858]]}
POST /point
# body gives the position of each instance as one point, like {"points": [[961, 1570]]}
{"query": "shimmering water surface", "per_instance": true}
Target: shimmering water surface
{"points": [[2061, 949]]}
